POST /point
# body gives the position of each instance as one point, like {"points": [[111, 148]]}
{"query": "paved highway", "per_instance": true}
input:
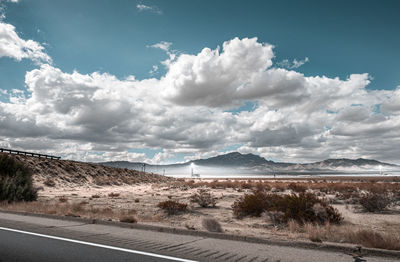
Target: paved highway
{"points": [[19, 245], [29, 238]]}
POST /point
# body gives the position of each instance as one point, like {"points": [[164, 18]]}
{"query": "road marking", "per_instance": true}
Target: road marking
{"points": [[97, 245]]}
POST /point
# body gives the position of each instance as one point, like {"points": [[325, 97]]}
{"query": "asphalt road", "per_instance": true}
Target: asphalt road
{"points": [[17, 246], [32, 238]]}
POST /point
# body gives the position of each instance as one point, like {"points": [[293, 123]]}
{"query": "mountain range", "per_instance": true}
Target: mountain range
{"points": [[236, 162]]}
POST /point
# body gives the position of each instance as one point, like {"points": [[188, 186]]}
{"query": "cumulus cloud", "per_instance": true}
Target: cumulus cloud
{"points": [[11, 45], [97, 117]]}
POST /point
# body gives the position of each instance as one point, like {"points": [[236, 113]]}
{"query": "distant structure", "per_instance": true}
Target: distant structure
{"points": [[144, 167], [17, 152], [193, 174]]}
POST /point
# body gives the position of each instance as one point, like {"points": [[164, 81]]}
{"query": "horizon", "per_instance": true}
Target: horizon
{"points": [[155, 82], [233, 152]]}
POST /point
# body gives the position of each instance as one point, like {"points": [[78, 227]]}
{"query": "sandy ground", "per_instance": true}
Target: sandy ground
{"points": [[142, 200]]}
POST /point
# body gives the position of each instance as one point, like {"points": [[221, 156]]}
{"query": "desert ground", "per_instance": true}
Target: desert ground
{"points": [[138, 203], [70, 188]]}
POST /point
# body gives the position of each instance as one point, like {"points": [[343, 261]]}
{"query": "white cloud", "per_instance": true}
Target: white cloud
{"points": [[11, 45], [98, 117], [163, 45], [294, 64], [153, 9]]}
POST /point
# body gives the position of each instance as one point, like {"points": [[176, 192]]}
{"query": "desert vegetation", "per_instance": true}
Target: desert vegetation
{"points": [[172, 207], [302, 207], [211, 224], [15, 180], [204, 198]]}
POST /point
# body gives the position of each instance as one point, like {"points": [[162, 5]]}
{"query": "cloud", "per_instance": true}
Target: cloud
{"points": [[166, 47], [98, 117], [153, 9], [163, 45], [153, 70], [11, 45], [294, 64]]}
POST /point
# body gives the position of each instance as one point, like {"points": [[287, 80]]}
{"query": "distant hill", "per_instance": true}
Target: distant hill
{"points": [[251, 163], [73, 173]]}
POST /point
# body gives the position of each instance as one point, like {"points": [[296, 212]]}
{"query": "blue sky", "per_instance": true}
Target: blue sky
{"points": [[339, 37], [329, 38]]}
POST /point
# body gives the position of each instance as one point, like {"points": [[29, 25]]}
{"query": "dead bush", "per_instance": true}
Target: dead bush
{"points": [[212, 225], [374, 202], [204, 198], [128, 219], [112, 194], [172, 207]]}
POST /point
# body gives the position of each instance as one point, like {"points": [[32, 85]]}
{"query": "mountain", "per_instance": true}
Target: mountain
{"points": [[237, 163], [233, 159]]}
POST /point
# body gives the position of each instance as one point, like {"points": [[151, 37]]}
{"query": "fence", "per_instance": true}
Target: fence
{"points": [[17, 152]]}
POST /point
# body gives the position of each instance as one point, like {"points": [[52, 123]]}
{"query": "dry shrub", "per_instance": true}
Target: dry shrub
{"points": [[211, 225], [63, 199], [374, 202], [276, 217], [204, 198], [137, 200], [112, 194], [250, 205], [297, 187], [15, 180], [49, 182], [172, 207], [95, 196], [128, 219], [304, 207]]}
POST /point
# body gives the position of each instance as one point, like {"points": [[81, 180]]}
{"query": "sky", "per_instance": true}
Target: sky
{"points": [[171, 81]]}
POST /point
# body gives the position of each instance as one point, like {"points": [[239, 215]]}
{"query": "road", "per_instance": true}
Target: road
{"points": [[29, 238]]}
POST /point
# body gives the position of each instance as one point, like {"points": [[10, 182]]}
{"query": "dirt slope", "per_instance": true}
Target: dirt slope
{"points": [[73, 173]]}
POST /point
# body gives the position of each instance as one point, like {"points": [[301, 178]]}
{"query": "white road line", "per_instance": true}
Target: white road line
{"points": [[98, 245]]}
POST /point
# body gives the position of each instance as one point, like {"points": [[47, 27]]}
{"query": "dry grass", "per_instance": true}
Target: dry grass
{"points": [[78, 209], [366, 237]]}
